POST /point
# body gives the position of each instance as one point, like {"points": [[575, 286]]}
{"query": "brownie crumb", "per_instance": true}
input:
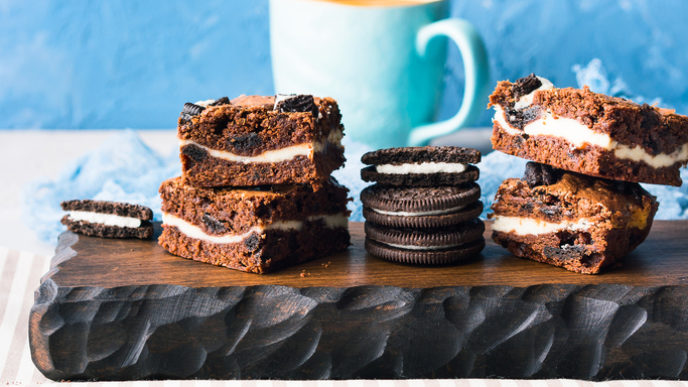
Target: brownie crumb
{"points": [[541, 174], [304, 274]]}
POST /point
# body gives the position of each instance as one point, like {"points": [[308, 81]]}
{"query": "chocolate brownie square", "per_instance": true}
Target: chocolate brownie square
{"points": [[589, 133], [256, 140], [255, 230], [580, 223]]}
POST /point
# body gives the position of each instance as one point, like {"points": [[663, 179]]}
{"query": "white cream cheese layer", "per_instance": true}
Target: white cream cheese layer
{"points": [[271, 156], [548, 125], [637, 153], [419, 213], [421, 168], [195, 232], [105, 219], [579, 135], [529, 226]]}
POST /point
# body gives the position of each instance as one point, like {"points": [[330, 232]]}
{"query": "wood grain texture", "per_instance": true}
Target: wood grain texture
{"points": [[112, 309], [661, 260]]}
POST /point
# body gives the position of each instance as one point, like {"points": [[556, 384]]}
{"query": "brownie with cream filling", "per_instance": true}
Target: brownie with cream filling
{"points": [[589, 133], [580, 223], [260, 140], [254, 229]]}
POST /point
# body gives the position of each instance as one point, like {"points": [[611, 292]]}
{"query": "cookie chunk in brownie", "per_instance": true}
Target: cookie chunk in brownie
{"points": [[580, 223], [589, 133], [108, 219], [426, 166], [257, 140], [255, 230]]}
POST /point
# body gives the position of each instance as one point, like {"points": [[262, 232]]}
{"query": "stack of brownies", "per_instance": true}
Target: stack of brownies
{"points": [[256, 192], [579, 205]]}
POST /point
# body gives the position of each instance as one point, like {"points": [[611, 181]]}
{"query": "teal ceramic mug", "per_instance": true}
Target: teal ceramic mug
{"points": [[381, 60]]}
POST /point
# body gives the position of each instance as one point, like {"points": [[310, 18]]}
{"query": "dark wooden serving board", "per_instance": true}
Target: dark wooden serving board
{"points": [[124, 309]]}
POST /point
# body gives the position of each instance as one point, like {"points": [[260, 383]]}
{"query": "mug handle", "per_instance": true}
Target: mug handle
{"points": [[474, 56]]}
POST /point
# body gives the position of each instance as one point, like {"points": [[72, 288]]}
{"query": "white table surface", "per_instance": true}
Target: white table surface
{"points": [[27, 155]]}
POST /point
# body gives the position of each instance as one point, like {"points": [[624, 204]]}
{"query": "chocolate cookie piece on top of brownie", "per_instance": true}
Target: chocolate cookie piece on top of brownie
{"points": [[255, 230], [589, 133], [426, 166], [108, 219], [260, 140], [580, 223]]}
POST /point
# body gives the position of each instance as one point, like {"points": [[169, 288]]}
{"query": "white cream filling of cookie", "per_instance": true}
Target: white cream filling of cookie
{"points": [[529, 226], [420, 168], [204, 103], [195, 232], [579, 135], [272, 156], [414, 247], [105, 219], [419, 213]]}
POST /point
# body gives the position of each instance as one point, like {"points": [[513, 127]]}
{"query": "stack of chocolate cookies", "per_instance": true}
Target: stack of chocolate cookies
{"points": [[424, 206], [256, 192], [579, 205]]}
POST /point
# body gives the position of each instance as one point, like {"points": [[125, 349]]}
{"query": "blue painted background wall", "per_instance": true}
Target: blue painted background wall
{"points": [[132, 63]]}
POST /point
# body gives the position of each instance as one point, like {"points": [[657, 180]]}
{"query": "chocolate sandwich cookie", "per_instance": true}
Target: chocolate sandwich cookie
{"points": [[108, 219], [426, 166], [426, 247], [421, 207]]}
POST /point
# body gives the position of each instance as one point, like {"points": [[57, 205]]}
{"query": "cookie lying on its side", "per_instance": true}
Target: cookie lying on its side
{"points": [[427, 166], [421, 207], [108, 219], [426, 246]]}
